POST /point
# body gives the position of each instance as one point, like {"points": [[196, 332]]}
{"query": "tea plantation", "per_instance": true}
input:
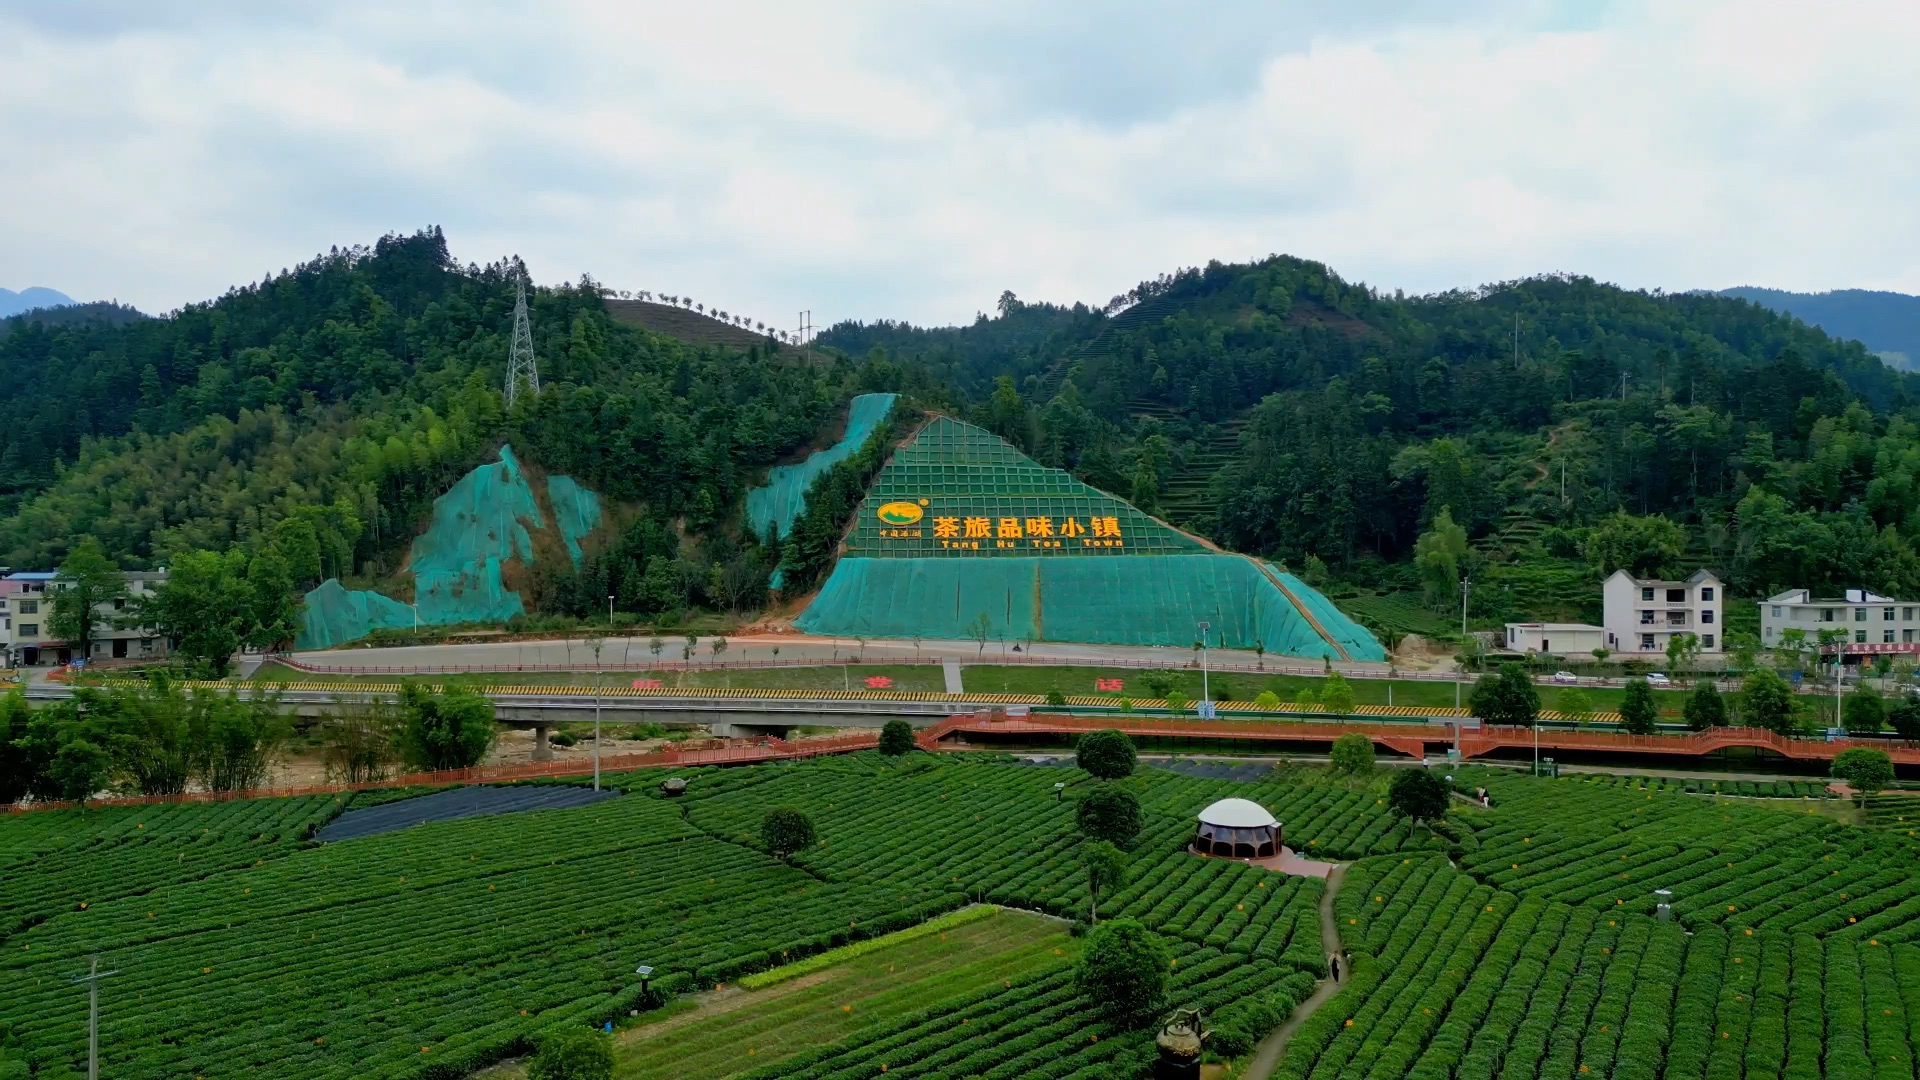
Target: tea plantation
{"points": [[1517, 941]]}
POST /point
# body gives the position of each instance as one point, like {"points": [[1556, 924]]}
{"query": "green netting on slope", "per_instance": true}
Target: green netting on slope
{"points": [[1356, 639], [335, 615], [958, 491], [785, 495], [1133, 600], [479, 525], [576, 512]]}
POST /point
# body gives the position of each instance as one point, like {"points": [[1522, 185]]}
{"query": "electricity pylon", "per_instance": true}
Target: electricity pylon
{"points": [[521, 367]]}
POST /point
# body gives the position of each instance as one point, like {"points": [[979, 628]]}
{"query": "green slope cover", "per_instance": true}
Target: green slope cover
{"points": [[961, 535], [483, 524]]}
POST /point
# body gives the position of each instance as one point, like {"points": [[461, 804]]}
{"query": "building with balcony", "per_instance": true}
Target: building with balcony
{"points": [[26, 640], [1865, 622], [1642, 615]]}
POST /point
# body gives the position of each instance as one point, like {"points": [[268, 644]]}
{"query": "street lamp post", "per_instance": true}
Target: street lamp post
{"points": [[1206, 694], [1465, 582]]}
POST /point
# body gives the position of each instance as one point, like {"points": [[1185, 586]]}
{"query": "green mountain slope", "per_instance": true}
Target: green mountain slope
{"points": [[1274, 407], [1886, 322], [1283, 410], [358, 388]]}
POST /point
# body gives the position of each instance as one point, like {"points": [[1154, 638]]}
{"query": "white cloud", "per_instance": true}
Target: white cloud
{"points": [[873, 160]]}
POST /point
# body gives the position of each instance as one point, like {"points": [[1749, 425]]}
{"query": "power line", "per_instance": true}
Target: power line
{"points": [[521, 366]]}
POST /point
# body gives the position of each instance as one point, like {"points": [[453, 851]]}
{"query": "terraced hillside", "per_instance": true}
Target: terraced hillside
{"points": [[688, 325]]}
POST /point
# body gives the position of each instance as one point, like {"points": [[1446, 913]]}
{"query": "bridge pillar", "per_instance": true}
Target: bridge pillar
{"points": [[542, 750]]}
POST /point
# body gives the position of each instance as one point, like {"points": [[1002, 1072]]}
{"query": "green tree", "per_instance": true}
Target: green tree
{"points": [[1417, 794], [1638, 715], [1352, 754], [1903, 717], [453, 729], [1742, 647], [1791, 649], [1109, 813], [360, 743], [785, 831], [1864, 712], [1766, 701], [275, 617], [1864, 770], [88, 581], [1106, 870], [153, 733], [1577, 705], [1682, 651], [1336, 693], [1508, 698], [204, 609], [573, 1053], [15, 766], [1643, 546], [79, 769], [896, 738], [237, 739], [1441, 554], [1267, 700], [1106, 754], [1123, 972], [1705, 707]]}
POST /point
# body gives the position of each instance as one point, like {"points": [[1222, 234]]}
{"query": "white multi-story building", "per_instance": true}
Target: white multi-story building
{"points": [[1644, 614], [1869, 622], [25, 640]]}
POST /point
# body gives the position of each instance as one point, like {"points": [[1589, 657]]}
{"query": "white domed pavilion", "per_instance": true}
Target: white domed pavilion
{"points": [[1237, 829]]}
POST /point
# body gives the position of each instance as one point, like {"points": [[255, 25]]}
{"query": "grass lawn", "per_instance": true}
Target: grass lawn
{"points": [[733, 1031], [1242, 686], [834, 677]]}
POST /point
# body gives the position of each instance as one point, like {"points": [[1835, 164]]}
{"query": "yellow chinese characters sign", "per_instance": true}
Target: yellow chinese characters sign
{"points": [[977, 533]]}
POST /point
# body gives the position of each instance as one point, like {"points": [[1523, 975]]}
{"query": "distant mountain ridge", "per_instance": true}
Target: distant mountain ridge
{"points": [[13, 303], [1886, 322]]}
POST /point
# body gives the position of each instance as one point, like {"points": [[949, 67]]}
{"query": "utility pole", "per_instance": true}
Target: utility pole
{"points": [[1623, 386], [806, 327], [92, 979], [1465, 582]]}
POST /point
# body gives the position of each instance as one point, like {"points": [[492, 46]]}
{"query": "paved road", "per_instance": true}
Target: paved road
{"points": [[635, 651]]}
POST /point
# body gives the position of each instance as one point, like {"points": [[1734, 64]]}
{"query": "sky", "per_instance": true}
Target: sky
{"points": [[911, 160]]}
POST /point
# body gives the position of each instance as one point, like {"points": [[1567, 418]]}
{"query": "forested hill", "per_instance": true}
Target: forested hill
{"points": [[337, 399], [1564, 426], [1886, 322], [1284, 410]]}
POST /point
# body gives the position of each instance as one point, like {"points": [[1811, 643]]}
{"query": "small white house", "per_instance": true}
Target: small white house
{"points": [[1555, 639], [1644, 614]]}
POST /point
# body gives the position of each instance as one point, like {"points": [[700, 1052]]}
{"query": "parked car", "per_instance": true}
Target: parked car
{"points": [[1567, 677], [1658, 678]]}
